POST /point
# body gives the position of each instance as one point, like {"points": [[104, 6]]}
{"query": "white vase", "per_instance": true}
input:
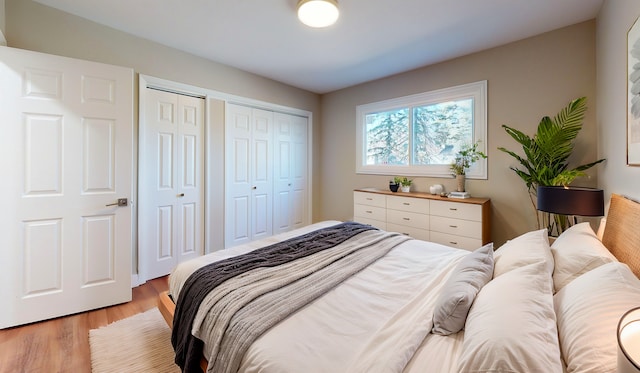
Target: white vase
{"points": [[460, 179], [405, 189]]}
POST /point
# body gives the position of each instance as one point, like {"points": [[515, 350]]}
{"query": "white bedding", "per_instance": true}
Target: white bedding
{"points": [[374, 321], [379, 320]]}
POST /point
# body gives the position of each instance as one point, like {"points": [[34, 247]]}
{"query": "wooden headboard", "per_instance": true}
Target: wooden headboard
{"points": [[622, 231]]}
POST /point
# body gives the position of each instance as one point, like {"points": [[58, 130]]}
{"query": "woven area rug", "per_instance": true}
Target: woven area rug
{"points": [[141, 343]]}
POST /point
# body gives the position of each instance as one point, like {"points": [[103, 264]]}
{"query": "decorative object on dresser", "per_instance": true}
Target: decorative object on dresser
{"points": [[465, 158], [463, 223], [405, 183], [568, 201], [394, 184], [546, 154], [459, 195], [436, 189]]}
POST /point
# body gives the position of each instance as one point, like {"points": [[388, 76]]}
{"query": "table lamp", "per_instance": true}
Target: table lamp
{"points": [[629, 342]]}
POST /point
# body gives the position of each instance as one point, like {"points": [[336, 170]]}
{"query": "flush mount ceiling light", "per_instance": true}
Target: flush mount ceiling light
{"points": [[318, 13]]}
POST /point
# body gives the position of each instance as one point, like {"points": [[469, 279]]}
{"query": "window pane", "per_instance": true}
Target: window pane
{"points": [[387, 137], [440, 129]]}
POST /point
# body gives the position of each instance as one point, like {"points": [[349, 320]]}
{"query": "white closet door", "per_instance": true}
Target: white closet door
{"points": [[299, 212], [248, 174], [261, 174], [290, 173], [67, 156], [170, 183]]}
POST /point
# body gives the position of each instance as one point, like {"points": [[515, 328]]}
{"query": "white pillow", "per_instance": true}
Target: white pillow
{"points": [[588, 310], [470, 275], [511, 326], [528, 248], [576, 251]]}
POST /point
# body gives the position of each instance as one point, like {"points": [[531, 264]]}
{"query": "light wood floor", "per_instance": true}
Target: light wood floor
{"points": [[62, 344]]}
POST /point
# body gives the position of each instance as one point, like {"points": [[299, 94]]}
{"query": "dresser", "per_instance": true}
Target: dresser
{"points": [[462, 223]]}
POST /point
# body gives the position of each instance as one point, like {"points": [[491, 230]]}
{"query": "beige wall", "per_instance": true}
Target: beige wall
{"points": [[526, 80], [613, 23]]}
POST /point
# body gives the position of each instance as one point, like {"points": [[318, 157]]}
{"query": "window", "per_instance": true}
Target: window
{"points": [[419, 135]]}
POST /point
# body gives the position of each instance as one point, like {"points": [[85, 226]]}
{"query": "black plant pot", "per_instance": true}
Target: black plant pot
{"points": [[394, 187]]}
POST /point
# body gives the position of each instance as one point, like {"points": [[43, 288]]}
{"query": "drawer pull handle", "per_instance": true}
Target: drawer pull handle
{"points": [[406, 203], [453, 209], [453, 226], [369, 212], [407, 219], [406, 234], [369, 199], [453, 242]]}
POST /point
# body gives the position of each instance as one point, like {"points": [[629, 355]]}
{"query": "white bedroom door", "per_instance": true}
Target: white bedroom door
{"points": [[171, 191], [67, 155]]}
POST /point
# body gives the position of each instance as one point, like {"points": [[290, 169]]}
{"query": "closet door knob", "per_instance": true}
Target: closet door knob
{"points": [[181, 195]]}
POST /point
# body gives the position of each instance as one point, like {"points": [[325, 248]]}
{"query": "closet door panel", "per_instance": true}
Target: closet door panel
{"points": [[190, 197], [171, 171], [299, 210], [282, 173]]}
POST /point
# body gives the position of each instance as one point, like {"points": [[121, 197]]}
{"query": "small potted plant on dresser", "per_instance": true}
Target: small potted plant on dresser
{"points": [[467, 156], [405, 184]]}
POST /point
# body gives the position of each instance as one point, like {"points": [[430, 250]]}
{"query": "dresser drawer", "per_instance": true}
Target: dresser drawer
{"points": [[456, 210], [370, 199], [370, 212], [410, 219], [417, 205], [417, 233], [456, 227], [456, 241]]}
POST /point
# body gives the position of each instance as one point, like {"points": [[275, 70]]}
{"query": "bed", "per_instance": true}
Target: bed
{"points": [[394, 304]]}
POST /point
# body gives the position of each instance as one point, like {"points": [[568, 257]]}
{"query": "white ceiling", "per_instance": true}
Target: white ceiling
{"points": [[372, 38]]}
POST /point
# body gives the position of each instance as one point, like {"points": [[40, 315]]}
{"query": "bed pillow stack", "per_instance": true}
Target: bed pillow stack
{"points": [[470, 275], [517, 302]]}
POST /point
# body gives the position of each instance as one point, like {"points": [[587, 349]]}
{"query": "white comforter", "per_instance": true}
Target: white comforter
{"points": [[376, 321]]}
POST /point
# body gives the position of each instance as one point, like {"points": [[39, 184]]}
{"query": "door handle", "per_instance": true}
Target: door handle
{"points": [[254, 188], [181, 195], [122, 202]]}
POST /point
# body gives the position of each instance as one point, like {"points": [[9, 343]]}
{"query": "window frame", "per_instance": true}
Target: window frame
{"points": [[477, 91]]}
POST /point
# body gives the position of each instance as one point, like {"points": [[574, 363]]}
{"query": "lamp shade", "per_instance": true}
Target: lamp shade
{"points": [[571, 200], [629, 342], [318, 13]]}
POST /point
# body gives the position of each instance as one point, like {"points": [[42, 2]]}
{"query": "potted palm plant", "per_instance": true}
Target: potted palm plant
{"points": [[546, 154]]}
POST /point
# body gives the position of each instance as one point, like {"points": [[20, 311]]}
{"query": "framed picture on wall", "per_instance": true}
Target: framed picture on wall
{"points": [[633, 94]]}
